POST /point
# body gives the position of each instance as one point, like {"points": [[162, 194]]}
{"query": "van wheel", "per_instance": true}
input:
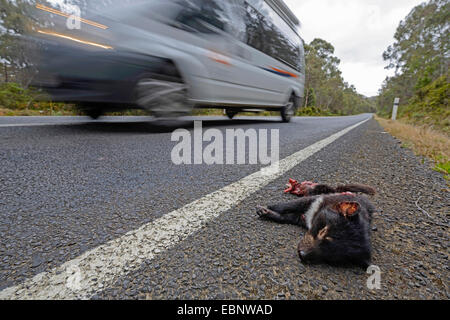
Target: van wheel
{"points": [[95, 113], [92, 110], [289, 110], [162, 98], [230, 113]]}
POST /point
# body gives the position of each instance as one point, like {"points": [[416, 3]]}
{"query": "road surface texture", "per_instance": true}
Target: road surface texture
{"points": [[74, 192]]}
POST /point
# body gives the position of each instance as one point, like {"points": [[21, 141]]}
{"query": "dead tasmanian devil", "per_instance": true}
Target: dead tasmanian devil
{"points": [[338, 222]]}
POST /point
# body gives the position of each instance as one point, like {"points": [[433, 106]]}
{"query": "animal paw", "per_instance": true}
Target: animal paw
{"points": [[266, 213], [262, 212]]}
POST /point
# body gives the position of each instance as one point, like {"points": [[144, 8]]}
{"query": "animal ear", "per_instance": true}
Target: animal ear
{"points": [[323, 233], [347, 208]]}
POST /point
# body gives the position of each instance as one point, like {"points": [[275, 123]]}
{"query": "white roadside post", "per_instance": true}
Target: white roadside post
{"points": [[395, 109]]}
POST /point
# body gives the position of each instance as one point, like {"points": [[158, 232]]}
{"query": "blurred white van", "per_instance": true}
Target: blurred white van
{"points": [[169, 56]]}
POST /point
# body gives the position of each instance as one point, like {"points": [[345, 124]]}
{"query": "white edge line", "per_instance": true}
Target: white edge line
{"points": [[95, 269], [68, 123], [12, 125]]}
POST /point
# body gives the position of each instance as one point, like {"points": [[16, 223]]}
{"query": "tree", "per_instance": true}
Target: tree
{"points": [[310, 100], [325, 87], [19, 18], [325, 51], [16, 20], [421, 46], [420, 54]]}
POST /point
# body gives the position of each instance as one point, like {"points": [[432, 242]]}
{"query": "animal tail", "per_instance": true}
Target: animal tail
{"points": [[356, 188]]}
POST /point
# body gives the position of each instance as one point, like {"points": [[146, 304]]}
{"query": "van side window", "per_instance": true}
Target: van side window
{"points": [[269, 33], [204, 16], [235, 10]]}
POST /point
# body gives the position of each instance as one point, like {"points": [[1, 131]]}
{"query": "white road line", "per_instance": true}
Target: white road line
{"points": [[68, 123], [12, 125], [98, 268]]}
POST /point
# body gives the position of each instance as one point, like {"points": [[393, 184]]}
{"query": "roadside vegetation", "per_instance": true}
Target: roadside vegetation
{"points": [[420, 57], [18, 101], [424, 141]]}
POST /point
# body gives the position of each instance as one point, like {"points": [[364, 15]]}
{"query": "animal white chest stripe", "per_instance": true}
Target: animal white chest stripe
{"points": [[309, 215]]}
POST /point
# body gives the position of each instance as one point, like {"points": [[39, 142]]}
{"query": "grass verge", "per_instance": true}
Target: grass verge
{"points": [[42, 112], [424, 141]]}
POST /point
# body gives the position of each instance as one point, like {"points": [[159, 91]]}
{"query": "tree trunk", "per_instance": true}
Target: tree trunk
{"points": [[306, 99], [6, 72]]}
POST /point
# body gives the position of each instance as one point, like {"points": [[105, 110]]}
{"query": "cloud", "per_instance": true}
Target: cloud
{"points": [[360, 31]]}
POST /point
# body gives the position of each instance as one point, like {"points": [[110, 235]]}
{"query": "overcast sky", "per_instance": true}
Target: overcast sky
{"points": [[360, 31]]}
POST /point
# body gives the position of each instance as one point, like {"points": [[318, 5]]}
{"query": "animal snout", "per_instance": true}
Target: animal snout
{"points": [[302, 255]]}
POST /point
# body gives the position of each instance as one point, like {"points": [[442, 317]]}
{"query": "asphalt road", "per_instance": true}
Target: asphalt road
{"points": [[69, 186]]}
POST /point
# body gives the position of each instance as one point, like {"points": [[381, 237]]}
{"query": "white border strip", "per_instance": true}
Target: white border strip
{"points": [[94, 270]]}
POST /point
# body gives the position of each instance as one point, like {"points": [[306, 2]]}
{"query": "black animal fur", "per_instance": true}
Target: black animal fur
{"points": [[339, 232]]}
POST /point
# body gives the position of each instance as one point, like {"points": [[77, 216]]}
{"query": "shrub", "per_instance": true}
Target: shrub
{"points": [[430, 105], [18, 100]]}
